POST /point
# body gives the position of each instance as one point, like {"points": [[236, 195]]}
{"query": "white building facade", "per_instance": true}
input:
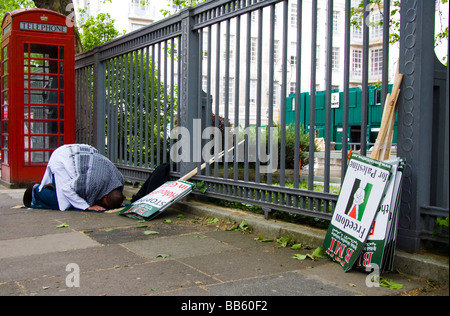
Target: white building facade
{"points": [[130, 15]]}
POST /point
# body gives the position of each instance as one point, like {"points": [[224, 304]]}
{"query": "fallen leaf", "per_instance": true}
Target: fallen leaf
{"points": [[213, 220], [299, 257], [150, 232], [296, 246], [62, 225]]}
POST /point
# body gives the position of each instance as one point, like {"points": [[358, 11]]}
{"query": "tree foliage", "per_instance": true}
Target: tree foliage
{"points": [[98, 30], [179, 4], [394, 23]]}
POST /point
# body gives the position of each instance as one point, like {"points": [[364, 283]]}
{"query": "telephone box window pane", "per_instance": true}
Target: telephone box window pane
{"points": [[40, 66], [37, 142], [37, 157], [61, 97], [51, 127], [5, 126], [27, 142], [5, 68], [5, 157], [43, 51], [37, 128], [61, 113], [5, 141], [61, 52], [25, 81], [43, 112], [5, 82], [40, 82], [51, 142], [27, 157], [61, 131], [5, 52], [5, 97], [44, 97], [61, 141], [51, 97], [61, 68], [43, 142]]}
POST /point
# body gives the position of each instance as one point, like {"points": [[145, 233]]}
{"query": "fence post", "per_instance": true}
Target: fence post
{"points": [[99, 104], [415, 117], [189, 85]]}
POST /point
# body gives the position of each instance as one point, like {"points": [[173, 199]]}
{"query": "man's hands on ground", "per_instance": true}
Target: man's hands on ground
{"points": [[96, 208]]}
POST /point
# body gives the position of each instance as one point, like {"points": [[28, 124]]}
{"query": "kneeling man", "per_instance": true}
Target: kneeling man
{"points": [[77, 177]]}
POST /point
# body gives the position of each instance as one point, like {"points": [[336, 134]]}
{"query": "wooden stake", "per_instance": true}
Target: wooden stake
{"points": [[210, 162], [382, 148]]}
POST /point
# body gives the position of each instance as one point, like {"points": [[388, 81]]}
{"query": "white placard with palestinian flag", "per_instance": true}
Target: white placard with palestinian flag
{"points": [[361, 193], [380, 244]]}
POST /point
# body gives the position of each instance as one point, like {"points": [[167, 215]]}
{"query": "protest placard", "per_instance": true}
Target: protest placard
{"points": [[157, 201], [379, 248], [362, 191]]}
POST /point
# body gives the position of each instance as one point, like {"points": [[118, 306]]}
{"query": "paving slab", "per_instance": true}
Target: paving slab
{"points": [[28, 223], [146, 279], [249, 263], [284, 284], [360, 283], [45, 244], [177, 246], [55, 264]]}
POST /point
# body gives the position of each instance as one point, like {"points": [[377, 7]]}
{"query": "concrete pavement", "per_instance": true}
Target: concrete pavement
{"points": [[183, 252]]}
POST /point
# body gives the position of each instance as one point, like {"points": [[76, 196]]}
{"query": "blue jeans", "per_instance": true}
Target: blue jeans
{"points": [[45, 199]]}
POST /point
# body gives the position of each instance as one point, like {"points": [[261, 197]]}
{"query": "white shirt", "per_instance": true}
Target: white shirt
{"points": [[62, 167]]}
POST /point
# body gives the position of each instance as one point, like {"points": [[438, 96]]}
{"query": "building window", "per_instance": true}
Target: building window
{"points": [[293, 15], [336, 22], [335, 59], [293, 54], [276, 51], [376, 26], [292, 87], [228, 93], [357, 62], [376, 62], [253, 48], [357, 33]]}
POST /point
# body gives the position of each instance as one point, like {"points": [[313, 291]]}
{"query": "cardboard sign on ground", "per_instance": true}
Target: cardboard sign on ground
{"points": [[157, 201]]}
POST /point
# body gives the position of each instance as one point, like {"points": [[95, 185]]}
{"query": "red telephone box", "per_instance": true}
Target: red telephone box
{"points": [[37, 92]]}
